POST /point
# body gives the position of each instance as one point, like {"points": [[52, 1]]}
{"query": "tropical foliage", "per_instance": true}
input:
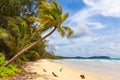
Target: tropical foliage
{"points": [[22, 22], [9, 70]]}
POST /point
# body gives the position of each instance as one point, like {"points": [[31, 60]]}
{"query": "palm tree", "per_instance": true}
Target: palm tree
{"points": [[15, 30], [50, 17]]}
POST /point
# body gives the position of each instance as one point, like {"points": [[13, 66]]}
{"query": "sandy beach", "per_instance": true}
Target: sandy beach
{"points": [[49, 70]]}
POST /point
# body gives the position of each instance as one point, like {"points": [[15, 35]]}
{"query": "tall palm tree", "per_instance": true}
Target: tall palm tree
{"points": [[50, 17]]}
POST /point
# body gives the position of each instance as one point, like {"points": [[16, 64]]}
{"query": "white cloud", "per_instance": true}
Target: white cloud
{"points": [[105, 7], [84, 25], [83, 21], [108, 45]]}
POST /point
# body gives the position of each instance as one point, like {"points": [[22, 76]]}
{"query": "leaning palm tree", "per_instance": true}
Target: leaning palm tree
{"points": [[50, 17]]}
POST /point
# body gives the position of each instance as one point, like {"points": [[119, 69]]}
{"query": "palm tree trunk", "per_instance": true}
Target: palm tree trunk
{"points": [[27, 48]]}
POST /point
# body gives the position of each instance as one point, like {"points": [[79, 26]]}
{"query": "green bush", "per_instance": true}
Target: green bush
{"points": [[30, 56], [9, 70]]}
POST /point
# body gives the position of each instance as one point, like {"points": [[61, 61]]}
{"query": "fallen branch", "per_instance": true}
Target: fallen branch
{"points": [[61, 69], [54, 74], [44, 70]]}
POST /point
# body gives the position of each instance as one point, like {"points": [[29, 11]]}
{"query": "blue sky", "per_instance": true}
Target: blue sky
{"points": [[96, 25]]}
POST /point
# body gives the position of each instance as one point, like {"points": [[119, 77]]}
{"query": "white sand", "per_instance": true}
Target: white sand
{"points": [[45, 68]]}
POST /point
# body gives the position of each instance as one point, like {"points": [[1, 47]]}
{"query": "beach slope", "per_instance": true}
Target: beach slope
{"points": [[50, 70]]}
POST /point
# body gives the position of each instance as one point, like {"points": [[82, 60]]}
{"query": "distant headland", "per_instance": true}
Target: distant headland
{"points": [[92, 57]]}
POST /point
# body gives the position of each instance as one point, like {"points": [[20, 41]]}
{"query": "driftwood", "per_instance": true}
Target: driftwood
{"points": [[61, 69], [82, 76], [54, 74], [44, 70]]}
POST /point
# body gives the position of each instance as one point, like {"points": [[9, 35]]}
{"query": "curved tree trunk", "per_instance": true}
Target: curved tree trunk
{"points": [[27, 48]]}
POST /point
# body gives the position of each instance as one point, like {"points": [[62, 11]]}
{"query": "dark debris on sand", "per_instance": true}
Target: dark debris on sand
{"points": [[82, 76]]}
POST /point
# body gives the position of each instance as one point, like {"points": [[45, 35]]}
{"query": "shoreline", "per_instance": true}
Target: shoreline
{"points": [[49, 70], [101, 67]]}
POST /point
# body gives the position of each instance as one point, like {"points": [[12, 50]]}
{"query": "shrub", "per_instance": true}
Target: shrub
{"points": [[30, 56], [9, 70]]}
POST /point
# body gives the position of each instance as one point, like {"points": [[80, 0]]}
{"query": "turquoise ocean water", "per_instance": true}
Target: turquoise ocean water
{"points": [[102, 66]]}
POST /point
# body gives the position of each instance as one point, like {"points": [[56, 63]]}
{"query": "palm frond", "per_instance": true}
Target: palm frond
{"points": [[61, 31], [22, 25], [13, 29], [31, 19], [68, 30], [66, 27], [52, 9], [57, 6], [3, 34], [69, 34], [64, 17], [46, 19]]}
